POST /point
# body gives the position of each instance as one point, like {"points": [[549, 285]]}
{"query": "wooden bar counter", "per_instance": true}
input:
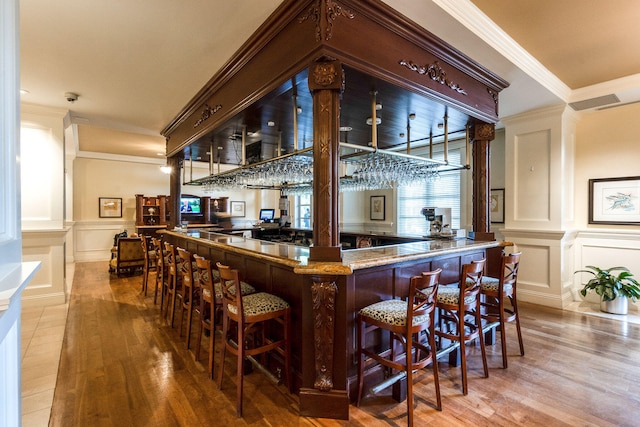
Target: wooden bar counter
{"points": [[323, 318]]}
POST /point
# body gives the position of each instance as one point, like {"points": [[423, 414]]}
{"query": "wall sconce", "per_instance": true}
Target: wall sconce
{"points": [[166, 169]]}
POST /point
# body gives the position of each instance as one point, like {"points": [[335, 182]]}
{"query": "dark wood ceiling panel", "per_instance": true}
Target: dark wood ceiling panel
{"points": [[356, 106]]}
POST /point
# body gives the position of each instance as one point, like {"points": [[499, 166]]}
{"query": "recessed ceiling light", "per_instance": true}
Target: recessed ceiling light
{"points": [[346, 128], [370, 121], [271, 123], [160, 154], [24, 92]]}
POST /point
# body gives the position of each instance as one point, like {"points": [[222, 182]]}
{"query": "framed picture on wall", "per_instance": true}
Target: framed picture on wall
{"points": [[377, 208], [109, 207], [497, 206], [237, 208], [614, 201]]}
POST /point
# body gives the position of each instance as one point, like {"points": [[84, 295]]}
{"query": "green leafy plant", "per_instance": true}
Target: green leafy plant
{"points": [[608, 285]]}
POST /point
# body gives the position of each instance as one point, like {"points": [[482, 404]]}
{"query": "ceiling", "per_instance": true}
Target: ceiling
{"points": [[135, 65]]}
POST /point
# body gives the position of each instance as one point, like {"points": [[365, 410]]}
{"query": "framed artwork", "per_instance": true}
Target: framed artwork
{"points": [[109, 207], [377, 208], [497, 206], [614, 201], [237, 208]]}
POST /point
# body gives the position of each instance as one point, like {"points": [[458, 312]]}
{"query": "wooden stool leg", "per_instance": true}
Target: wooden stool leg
{"points": [[240, 373], [409, 371], [212, 345], [514, 304], [434, 363], [361, 343]]}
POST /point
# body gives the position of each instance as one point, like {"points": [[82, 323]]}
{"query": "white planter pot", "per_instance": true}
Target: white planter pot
{"points": [[620, 305]]}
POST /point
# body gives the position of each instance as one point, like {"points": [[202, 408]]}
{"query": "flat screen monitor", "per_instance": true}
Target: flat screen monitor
{"points": [[267, 215], [190, 205]]}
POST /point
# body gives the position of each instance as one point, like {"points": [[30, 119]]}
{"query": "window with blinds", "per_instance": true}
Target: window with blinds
{"points": [[442, 193]]}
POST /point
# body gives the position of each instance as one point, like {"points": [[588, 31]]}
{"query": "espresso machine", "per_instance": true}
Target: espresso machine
{"points": [[438, 220]]}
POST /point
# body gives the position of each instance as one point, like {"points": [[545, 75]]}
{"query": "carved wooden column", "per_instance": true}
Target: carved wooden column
{"points": [[482, 134], [322, 398], [174, 192], [326, 85]]}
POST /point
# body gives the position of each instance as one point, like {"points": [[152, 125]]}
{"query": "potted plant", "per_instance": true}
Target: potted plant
{"points": [[614, 290]]}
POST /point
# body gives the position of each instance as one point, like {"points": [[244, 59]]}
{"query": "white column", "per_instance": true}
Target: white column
{"points": [[14, 275], [539, 189]]}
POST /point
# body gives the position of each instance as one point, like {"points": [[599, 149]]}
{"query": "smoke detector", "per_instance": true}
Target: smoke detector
{"points": [[71, 97]]}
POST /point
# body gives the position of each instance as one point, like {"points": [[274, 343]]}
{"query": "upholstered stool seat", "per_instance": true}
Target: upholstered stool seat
{"points": [[244, 286], [451, 295], [259, 303], [391, 312]]}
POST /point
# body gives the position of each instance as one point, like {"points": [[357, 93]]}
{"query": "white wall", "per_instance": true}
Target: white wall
{"points": [[608, 146]]}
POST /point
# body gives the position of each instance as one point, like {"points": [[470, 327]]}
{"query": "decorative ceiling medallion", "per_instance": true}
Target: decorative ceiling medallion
{"points": [[331, 11], [207, 113], [434, 72], [324, 74]]}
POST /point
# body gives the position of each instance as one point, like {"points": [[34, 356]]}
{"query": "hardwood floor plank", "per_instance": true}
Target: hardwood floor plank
{"points": [[121, 365]]}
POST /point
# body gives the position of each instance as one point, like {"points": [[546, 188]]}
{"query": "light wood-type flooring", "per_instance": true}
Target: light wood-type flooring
{"points": [[121, 366]]}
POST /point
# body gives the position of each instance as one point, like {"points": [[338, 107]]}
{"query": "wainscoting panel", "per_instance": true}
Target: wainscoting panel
{"points": [[94, 239], [48, 286]]}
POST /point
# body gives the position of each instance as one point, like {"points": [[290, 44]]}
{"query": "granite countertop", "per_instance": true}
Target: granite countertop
{"points": [[354, 259]]}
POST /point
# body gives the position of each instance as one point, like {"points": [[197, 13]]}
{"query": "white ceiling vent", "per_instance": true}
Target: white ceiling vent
{"points": [[594, 102]]}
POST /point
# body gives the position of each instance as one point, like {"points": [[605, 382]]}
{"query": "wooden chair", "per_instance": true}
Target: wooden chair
{"points": [[190, 295], [499, 302], [210, 309], [204, 276], [174, 281], [150, 261], [251, 313], [114, 250], [129, 255], [406, 321], [459, 315], [161, 272]]}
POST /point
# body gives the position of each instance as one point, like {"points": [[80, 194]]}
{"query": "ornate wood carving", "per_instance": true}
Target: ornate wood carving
{"points": [[323, 294], [207, 112], [434, 72], [494, 96], [485, 131], [323, 13]]}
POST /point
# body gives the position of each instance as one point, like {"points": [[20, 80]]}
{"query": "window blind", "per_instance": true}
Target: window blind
{"points": [[442, 193]]}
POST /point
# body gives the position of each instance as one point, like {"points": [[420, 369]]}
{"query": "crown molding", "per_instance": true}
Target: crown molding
{"points": [[478, 23]]}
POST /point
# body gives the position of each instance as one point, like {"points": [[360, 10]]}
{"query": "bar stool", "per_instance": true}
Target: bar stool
{"points": [[496, 292], [161, 271], [174, 281], [405, 321], [210, 308], [190, 295], [459, 315], [251, 313], [150, 261]]}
